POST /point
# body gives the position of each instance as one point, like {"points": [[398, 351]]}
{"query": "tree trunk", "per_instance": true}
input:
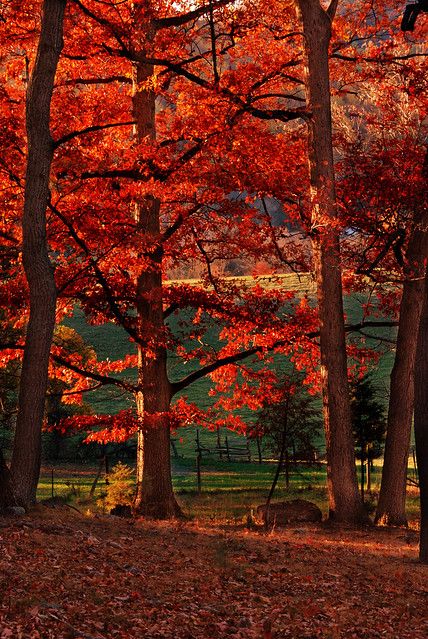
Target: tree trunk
{"points": [[344, 499], [421, 423], [391, 508], [154, 494], [7, 498], [25, 465]]}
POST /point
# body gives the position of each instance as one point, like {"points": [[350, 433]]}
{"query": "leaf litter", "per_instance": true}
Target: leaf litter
{"points": [[65, 576]]}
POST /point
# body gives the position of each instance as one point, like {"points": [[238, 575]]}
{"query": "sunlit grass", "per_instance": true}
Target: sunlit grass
{"points": [[229, 491]]}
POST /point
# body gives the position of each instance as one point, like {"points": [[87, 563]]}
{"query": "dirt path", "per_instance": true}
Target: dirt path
{"points": [[64, 575]]}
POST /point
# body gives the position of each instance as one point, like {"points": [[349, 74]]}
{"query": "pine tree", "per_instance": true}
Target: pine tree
{"points": [[368, 423]]}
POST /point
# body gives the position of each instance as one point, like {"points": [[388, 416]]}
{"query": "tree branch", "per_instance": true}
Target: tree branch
{"points": [[238, 357], [90, 129], [180, 20], [121, 318], [105, 380], [332, 8], [88, 81]]}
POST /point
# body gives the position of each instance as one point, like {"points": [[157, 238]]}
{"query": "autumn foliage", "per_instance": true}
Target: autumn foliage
{"points": [[178, 130]]}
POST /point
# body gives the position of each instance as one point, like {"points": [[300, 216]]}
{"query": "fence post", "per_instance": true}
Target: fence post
{"points": [[259, 448], [219, 443], [198, 471], [227, 448], [198, 462]]}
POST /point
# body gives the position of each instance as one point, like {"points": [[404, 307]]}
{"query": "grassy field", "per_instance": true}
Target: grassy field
{"points": [[112, 342], [229, 490]]}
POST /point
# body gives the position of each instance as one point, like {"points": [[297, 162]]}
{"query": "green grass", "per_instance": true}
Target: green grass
{"points": [[229, 490]]}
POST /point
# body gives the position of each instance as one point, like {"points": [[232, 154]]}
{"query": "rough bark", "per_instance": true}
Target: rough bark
{"points": [[391, 508], [25, 465], [154, 494], [421, 423], [344, 500]]}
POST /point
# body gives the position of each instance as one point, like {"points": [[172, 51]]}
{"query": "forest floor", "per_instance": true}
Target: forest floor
{"points": [[65, 575]]}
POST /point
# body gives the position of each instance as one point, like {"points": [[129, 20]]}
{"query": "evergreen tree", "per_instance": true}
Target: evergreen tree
{"points": [[292, 425], [368, 423]]}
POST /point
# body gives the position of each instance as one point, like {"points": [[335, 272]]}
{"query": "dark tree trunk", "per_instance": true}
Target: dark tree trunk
{"points": [[154, 495], [25, 465], [391, 508], [344, 499], [421, 423], [7, 498]]}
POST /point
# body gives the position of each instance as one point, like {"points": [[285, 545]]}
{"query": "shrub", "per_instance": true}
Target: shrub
{"points": [[120, 490]]}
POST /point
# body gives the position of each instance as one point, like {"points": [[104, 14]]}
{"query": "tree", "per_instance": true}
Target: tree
{"points": [[391, 508], [421, 423], [153, 183], [369, 424], [344, 502], [190, 101], [25, 464], [291, 424], [386, 200]]}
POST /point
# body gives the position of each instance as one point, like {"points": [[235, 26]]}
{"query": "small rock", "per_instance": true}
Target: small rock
{"points": [[289, 512]]}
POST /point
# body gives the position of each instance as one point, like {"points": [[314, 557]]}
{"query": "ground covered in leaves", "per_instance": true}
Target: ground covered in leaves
{"points": [[67, 576]]}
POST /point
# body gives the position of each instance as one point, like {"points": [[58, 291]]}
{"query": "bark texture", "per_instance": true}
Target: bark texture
{"points": [[154, 495], [421, 423], [344, 499], [391, 508], [25, 465]]}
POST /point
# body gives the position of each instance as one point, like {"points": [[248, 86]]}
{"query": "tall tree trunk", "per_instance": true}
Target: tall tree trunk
{"points": [[154, 495], [391, 508], [344, 499], [421, 423], [25, 465]]}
